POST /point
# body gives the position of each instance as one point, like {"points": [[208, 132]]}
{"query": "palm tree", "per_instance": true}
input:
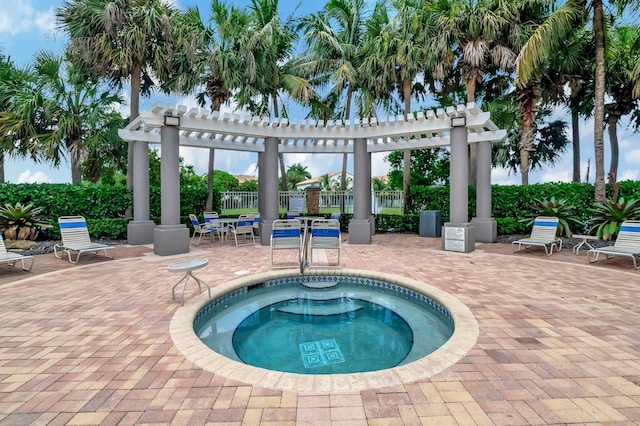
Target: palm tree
{"points": [[212, 65], [572, 67], [547, 38], [622, 55], [12, 82], [335, 37], [475, 30], [297, 173], [269, 69], [398, 49], [58, 111], [122, 41]]}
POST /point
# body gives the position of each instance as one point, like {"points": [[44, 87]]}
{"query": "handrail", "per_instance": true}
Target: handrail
{"points": [[303, 250]]}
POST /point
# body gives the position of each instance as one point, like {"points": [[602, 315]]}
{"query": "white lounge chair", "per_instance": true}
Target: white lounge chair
{"points": [[627, 244], [325, 235], [543, 234], [75, 238], [11, 258], [243, 228], [285, 235]]}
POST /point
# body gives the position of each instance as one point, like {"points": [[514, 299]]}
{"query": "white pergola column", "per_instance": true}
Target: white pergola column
{"points": [[458, 232], [170, 237], [360, 225], [485, 227], [268, 189], [140, 229]]}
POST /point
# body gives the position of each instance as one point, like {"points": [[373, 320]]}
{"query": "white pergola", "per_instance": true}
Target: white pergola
{"points": [[173, 126]]}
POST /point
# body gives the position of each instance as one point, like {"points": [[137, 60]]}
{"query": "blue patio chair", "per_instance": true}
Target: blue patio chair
{"points": [[285, 235], [325, 235]]}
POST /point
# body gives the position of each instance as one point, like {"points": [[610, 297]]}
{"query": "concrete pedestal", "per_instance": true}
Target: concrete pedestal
{"points": [[360, 231], [140, 232], [458, 237], [266, 226], [170, 239], [486, 230]]}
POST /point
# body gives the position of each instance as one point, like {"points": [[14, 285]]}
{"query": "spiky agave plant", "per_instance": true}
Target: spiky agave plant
{"points": [[20, 222], [608, 217], [559, 208]]}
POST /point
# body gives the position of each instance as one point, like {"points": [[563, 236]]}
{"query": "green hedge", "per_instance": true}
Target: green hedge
{"points": [[104, 206]]}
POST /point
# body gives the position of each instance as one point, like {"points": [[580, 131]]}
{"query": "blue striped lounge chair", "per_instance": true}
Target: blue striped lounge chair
{"points": [[325, 235], [11, 258], [627, 244], [75, 238], [285, 235], [543, 234]]}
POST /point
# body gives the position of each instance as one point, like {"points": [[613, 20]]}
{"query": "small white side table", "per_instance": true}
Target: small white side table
{"points": [[187, 267], [584, 242]]}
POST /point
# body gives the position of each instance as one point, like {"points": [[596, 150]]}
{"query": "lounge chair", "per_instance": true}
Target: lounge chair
{"points": [[543, 234], [11, 258], [75, 238], [285, 235], [325, 235], [627, 244]]}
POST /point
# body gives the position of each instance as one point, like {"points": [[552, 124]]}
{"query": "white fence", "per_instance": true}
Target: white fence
{"points": [[381, 201]]}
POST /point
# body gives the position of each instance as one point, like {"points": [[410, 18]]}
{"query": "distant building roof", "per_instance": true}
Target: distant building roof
{"points": [[245, 178]]}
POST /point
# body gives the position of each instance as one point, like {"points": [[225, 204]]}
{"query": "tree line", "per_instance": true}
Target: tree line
{"points": [[517, 59]]}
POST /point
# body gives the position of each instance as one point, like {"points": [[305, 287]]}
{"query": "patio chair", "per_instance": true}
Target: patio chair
{"points": [[627, 244], [243, 228], [214, 224], [543, 234], [285, 235], [199, 230], [292, 215], [11, 258], [325, 235], [256, 223], [75, 238]]}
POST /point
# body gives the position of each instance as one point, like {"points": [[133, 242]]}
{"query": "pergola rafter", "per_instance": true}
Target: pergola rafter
{"points": [[205, 129]]}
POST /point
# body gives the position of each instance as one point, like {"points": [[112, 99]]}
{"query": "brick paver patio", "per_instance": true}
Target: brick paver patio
{"points": [[559, 342]]}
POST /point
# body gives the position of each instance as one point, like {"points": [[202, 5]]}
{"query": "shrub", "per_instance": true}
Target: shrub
{"points": [[559, 208], [608, 217]]}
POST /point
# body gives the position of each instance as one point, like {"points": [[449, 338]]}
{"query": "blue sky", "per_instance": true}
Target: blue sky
{"points": [[27, 26]]}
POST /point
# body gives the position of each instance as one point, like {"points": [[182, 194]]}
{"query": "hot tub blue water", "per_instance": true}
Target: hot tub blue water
{"points": [[322, 326]]}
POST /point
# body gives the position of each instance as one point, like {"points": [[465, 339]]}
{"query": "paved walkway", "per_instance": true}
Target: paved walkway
{"points": [[559, 342]]}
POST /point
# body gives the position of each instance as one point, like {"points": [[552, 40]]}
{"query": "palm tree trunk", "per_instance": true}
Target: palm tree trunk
{"points": [[598, 132], [134, 111], [613, 140], [406, 158], [283, 172], [575, 126], [209, 205], [1, 167], [470, 87], [345, 156]]}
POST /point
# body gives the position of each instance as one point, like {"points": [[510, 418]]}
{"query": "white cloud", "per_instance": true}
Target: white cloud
{"points": [[629, 175], [632, 157], [29, 177], [502, 176], [21, 17]]}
